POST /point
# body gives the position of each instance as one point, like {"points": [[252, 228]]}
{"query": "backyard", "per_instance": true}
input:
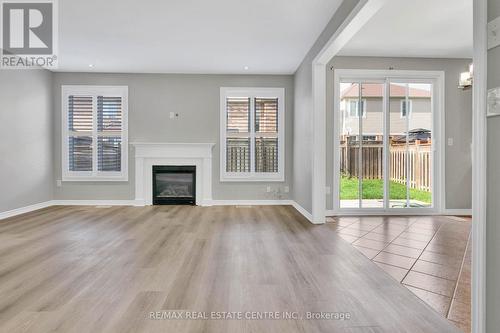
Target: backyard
{"points": [[374, 189]]}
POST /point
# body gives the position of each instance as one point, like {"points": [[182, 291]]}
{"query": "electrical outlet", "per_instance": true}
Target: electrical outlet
{"points": [[450, 141], [172, 115], [58, 183], [286, 189], [268, 189]]}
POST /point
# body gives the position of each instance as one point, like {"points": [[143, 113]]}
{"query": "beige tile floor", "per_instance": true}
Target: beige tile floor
{"points": [[430, 255]]}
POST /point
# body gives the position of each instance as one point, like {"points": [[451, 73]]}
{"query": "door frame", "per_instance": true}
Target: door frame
{"points": [[479, 167], [438, 128]]}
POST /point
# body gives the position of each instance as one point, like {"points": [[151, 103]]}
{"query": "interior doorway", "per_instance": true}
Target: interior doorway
{"points": [[387, 141]]}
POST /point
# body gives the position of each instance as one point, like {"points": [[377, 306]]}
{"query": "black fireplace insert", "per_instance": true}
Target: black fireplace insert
{"points": [[174, 185]]}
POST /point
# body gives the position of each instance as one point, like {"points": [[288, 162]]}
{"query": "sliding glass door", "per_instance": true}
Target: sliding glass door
{"points": [[361, 145], [410, 145], [384, 143], [372, 146], [349, 148]]}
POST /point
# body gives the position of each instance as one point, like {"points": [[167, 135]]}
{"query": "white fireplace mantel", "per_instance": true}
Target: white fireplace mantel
{"points": [[148, 154]]}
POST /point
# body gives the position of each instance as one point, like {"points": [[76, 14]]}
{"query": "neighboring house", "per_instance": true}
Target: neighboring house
{"points": [[419, 108]]}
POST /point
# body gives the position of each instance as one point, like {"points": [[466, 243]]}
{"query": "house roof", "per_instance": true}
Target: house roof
{"points": [[377, 90]]}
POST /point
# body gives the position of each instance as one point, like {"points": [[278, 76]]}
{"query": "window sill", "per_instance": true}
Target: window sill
{"points": [[94, 179], [250, 179]]}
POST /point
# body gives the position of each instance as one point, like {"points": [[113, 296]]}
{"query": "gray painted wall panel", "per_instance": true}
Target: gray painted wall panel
{"points": [[458, 114], [26, 169], [151, 98], [493, 181]]}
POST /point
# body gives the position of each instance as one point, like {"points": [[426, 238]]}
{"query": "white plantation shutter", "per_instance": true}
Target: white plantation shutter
{"points": [[109, 153], [80, 113], [252, 134], [266, 115], [109, 125], [238, 114], [109, 114], [96, 133], [80, 124], [238, 134], [80, 153], [266, 137]]}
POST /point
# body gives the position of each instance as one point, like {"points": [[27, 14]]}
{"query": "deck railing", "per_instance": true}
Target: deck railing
{"points": [[266, 156]]}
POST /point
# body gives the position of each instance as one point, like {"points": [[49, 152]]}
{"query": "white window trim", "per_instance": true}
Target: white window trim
{"points": [[94, 175], [252, 176], [401, 108], [348, 107]]}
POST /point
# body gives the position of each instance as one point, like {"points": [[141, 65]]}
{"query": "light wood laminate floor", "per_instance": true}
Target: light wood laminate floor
{"points": [[88, 269]]}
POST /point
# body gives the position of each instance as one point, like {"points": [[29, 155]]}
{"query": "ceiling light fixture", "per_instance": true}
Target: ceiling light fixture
{"points": [[91, 65], [245, 68]]}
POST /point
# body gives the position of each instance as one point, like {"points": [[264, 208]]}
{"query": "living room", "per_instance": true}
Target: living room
{"points": [[248, 166]]}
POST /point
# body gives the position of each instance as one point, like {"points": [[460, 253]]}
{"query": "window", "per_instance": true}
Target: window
{"points": [[95, 142], [353, 107], [406, 107], [252, 134]]}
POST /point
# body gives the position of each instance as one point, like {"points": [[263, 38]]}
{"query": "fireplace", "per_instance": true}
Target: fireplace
{"points": [[174, 185]]}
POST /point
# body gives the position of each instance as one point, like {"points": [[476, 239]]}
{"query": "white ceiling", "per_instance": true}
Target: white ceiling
{"points": [[416, 28], [189, 36]]}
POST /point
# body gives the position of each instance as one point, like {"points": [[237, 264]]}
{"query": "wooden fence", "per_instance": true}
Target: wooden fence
{"points": [[418, 157], [419, 164]]}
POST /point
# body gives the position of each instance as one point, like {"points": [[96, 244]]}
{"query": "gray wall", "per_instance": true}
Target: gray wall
{"points": [[458, 115], [26, 169], [493, 180], [151, 98], [302, 139]]}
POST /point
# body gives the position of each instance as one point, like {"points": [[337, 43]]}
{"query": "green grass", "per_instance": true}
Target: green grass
{"points": [[374, 189]]}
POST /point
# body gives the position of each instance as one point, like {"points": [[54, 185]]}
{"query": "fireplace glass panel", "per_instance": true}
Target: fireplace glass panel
{"points": [[174, 185]]}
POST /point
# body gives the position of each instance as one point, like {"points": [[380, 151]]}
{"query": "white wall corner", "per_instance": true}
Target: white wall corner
{"points": [[358, 17], [319, 144]]}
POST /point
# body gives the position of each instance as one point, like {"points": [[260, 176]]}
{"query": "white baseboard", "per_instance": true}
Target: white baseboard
{"points": [[97, 203], [24, 210], [458, 212], [303, 211], [247, 202]]}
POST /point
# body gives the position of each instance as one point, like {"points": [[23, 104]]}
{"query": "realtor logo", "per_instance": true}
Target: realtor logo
{"points": [[29, 31]]}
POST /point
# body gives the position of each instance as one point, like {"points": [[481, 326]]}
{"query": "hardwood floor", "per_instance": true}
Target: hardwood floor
{"points": [[88, 269]]}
